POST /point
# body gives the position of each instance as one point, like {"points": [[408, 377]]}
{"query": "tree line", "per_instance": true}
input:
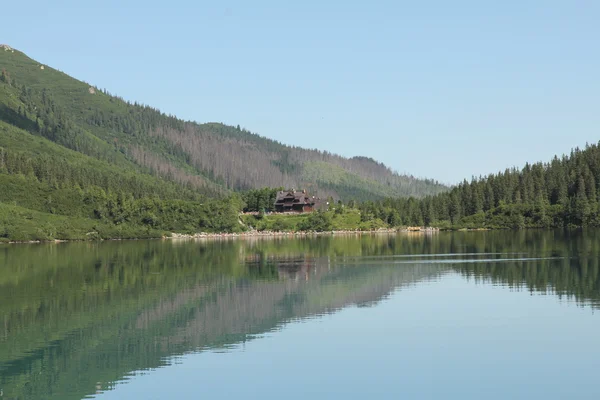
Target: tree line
{"points": [[560, 193]]}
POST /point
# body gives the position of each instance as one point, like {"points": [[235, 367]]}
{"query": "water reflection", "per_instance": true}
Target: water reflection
{"points": [[76, 318]]}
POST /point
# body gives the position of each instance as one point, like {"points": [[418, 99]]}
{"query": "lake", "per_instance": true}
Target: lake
{"points": [[464, 315]]}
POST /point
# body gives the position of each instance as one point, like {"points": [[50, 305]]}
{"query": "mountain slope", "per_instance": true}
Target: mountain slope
{"points": [[210, 158], [564, 192]]}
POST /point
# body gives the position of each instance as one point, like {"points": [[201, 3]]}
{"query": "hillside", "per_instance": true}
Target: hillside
{"points": [[564, 192], [79, 163], [211, 158]]}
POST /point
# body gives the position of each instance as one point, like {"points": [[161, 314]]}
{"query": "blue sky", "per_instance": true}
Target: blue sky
{"points": [[440, 89]]}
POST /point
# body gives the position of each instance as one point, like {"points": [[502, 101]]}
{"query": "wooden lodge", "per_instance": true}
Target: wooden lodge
{"points": [[293, 201]]}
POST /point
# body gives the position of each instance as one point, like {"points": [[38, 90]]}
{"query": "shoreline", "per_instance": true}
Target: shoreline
{"points": [[245, 235], [273, 234]]}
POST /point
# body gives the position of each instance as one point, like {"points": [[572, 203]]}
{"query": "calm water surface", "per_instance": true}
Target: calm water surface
{"points": [[475, 315]]}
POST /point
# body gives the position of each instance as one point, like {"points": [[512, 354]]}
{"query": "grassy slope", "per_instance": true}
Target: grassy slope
{"points": [[70, 93], [22, 200], [339, 179], [22, 142], [23, 224], [349, 219], [75, 98]]}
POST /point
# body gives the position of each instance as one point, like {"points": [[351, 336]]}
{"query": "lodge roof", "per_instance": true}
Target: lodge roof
{"points": [[294, 197]]}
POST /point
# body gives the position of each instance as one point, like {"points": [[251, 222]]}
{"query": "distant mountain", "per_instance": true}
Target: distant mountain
{"points": [[212, 158]]}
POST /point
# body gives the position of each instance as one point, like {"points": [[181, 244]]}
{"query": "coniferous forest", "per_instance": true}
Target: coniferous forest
{"points": [[561, 193], [79, 163]]}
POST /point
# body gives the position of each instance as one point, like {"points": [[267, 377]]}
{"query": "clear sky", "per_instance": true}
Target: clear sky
{"points": [[440, 89]]}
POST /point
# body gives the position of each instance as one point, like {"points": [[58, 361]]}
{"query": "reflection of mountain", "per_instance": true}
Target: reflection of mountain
{"points": [[113, 309], [75, 317], [577, 277]]}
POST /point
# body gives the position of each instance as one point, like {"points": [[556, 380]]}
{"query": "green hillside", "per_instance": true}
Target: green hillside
{"points": [[77, 162], [211, 158], [564, 192]]}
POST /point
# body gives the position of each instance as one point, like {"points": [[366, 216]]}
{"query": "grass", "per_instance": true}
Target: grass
{"points": [[347, 220], [18, 224]]}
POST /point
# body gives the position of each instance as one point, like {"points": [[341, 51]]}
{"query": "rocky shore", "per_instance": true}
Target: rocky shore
{"points": [[252, 234], [268, 234]]}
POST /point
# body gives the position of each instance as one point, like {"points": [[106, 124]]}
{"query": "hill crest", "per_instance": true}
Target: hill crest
{"points": [[211, 157]]}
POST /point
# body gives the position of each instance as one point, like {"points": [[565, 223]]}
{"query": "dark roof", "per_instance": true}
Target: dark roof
{"points": [[291, 196]]}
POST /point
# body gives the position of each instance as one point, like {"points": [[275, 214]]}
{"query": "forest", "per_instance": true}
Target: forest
{"points": [[561, 193], [79, 163], [212, 158]]}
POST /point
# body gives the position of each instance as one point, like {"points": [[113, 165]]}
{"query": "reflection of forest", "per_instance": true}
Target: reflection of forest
{"points": [[81, 315]]}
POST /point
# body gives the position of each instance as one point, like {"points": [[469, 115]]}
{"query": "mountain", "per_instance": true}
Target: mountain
{"points": [[211, 158]]}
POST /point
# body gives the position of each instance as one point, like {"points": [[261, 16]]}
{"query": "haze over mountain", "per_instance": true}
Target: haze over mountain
{"points": [[211, 158]]}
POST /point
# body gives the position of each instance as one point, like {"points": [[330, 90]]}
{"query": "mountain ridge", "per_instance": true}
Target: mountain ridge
{"points": [[212, 158]]}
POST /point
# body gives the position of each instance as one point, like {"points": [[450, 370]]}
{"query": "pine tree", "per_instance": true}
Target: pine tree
{"points": [[5, 77], [581, 206]]}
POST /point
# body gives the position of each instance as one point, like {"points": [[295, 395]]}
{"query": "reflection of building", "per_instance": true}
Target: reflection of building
{"points": [[294, 270], [291, 200], [291, 267]]}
